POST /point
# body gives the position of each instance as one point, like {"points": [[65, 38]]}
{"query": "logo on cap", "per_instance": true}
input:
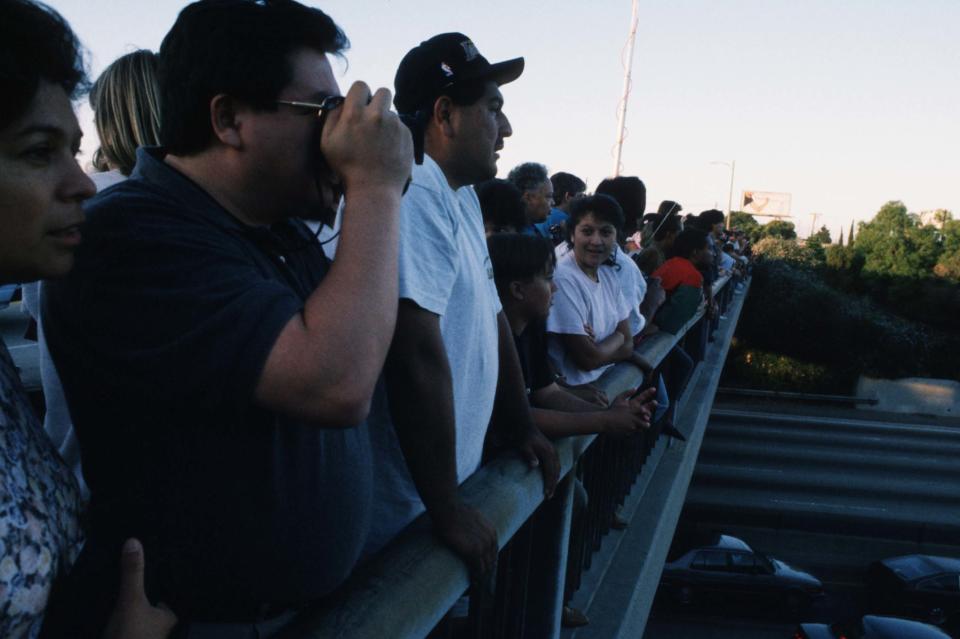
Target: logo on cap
{"points": [[469, 50], [447, 71]]}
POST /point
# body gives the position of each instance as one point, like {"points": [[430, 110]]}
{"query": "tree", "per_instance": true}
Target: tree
{"points": [[821, 237], [850, 235], [840, 242], [950, 234], [780, 229], [894, 243], [746, 223], [941, 217], [790, 251], [948, 266]]}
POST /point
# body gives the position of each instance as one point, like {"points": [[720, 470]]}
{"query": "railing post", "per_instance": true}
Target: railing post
{"points": [[548, 563]]}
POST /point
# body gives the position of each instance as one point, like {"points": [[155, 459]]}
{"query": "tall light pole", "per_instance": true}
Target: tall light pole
{"points": [[622, 123], [733, 167]]}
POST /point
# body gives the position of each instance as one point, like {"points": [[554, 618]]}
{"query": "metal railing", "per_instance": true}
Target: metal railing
{"points": [[408, 589]]}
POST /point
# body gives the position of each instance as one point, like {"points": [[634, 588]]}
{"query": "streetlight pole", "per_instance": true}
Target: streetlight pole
{"points": [[733, 167]]}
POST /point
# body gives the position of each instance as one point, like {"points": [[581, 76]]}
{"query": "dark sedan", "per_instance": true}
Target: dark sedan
{"points": [[871, 627], [919, 586], [730, 570]]}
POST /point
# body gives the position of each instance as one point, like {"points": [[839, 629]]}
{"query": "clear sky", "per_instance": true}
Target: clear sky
{"points": [[843, 104]]}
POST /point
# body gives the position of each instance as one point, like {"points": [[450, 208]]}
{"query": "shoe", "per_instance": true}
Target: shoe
{"points": [[618, 522], [573, 618]]}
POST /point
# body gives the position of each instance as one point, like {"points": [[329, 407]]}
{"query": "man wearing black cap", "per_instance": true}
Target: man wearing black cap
{"points": [[452, 368]]}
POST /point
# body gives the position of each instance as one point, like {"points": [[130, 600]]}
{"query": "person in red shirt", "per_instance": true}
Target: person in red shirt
{"points": [[682, 280]]}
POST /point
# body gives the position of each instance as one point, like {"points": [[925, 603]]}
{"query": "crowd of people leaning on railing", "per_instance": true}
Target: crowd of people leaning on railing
{"points": [[247, 416]]}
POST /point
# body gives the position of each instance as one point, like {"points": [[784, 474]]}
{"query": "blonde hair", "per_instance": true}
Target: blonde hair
{"points": [[126, 106]]}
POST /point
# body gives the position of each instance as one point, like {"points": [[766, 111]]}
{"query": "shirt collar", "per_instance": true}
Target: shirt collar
{"points": [[152, 170]]}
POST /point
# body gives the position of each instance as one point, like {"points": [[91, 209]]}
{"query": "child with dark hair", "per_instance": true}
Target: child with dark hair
{"points": [[501, 204]]}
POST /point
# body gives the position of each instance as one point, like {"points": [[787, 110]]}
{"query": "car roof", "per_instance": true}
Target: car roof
{"points": [[726, 542], [911, 567], [893, 628]]}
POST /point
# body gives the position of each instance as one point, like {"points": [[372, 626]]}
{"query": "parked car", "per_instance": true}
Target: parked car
{"points": [[871, 627], [729, 570], [923, 587]]}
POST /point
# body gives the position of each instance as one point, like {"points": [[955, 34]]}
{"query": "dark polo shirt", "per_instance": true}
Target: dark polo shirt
{"points": [[160, 334]]}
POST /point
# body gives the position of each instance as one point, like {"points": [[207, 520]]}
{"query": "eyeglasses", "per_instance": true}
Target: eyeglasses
{"points": [[322, 108]]}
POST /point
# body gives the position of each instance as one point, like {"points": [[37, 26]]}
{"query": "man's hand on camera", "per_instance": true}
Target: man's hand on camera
{"points": [[365, 144]]}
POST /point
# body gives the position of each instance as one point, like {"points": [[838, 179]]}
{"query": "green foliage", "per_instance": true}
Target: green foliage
{"points": [[755, 368], [790, 251], [948, 266], [885, 305], [950, 234], [746, 223], [779, 228], [894, 243], [822, 236], [792, 313]]}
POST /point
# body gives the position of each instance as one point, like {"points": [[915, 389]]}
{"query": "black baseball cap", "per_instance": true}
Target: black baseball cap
{"points": [[442, 62]]}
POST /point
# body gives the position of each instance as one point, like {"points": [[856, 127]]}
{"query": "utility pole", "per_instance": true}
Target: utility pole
{"points": [[621, 125], [813, 223], [733, 168]]}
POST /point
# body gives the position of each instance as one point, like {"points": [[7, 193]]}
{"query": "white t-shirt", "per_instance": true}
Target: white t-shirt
{"points": [[633, 287], [579, 301], [445, 269]]}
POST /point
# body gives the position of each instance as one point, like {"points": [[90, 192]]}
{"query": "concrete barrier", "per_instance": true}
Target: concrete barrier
{"points": [[913, 395]]}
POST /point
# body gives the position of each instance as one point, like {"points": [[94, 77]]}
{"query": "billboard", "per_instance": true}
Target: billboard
{"points": [[765, 203]]}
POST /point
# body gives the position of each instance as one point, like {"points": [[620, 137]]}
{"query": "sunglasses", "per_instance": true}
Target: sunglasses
{"points": [[332, 102], [322, 108]]}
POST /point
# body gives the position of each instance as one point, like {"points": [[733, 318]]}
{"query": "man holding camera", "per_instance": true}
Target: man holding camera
{"points": [[218, 368], [453, 367]]}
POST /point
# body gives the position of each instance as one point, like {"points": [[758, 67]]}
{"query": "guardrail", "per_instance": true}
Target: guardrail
{"points": [[409, 587]]}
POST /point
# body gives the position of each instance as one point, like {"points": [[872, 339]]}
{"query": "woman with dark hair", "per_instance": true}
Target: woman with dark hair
{"points": [[41, 188], [41, 191], [588, 325]]}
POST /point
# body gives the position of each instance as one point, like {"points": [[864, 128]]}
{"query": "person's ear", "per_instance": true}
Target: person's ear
{"points": [[225, 121], [443, 114], [516, 291]]}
